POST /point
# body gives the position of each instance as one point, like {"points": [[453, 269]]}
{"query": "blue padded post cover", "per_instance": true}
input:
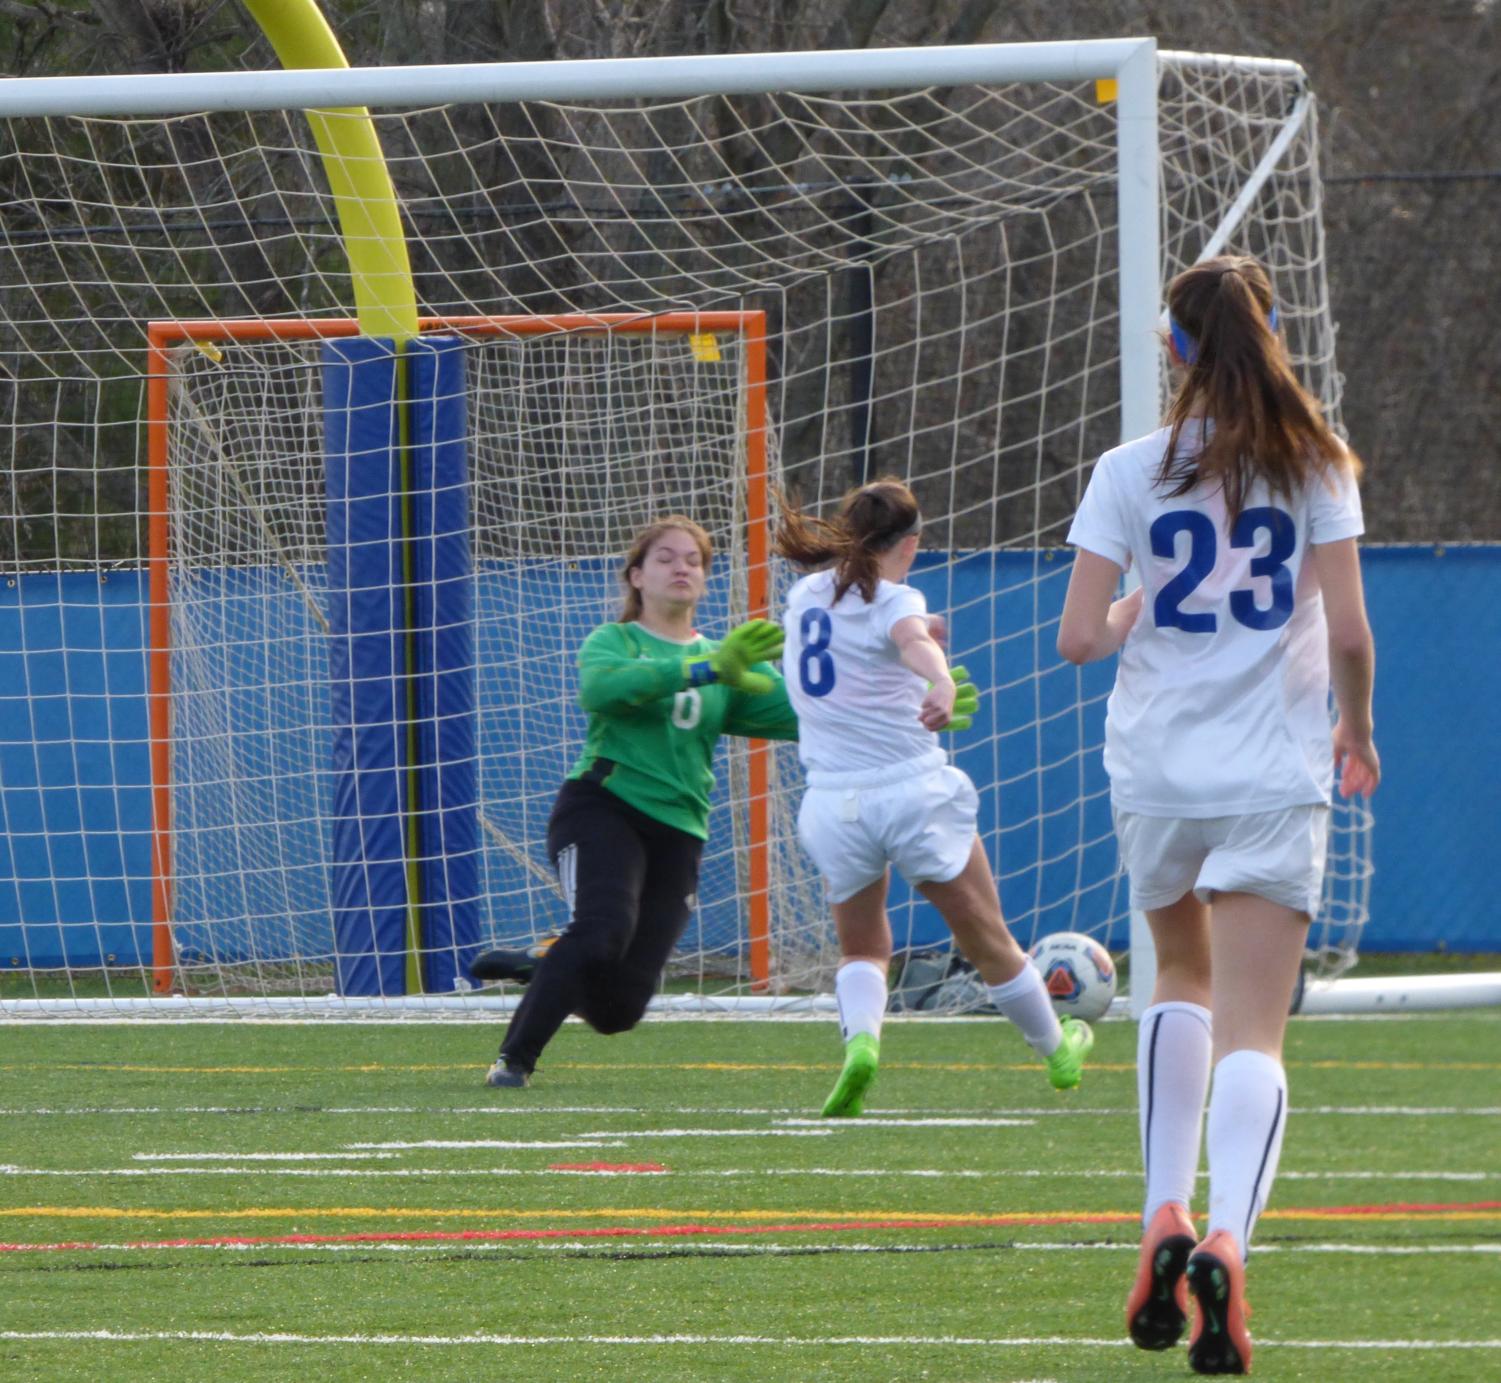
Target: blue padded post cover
{"points": [[367, 663], [447, 790]]}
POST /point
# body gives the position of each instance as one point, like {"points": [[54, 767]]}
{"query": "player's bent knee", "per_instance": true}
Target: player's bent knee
{"points": [[601, 943], [611, 1022], [614, 1016], [617, 1002]]}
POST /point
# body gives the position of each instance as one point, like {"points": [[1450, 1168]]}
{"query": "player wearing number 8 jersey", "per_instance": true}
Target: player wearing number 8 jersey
{"points": [[871, 686], [628, 827], [1240, 518]]}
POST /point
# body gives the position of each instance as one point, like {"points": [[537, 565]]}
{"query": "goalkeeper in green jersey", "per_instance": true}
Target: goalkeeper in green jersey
{"points": [[628, 827]]}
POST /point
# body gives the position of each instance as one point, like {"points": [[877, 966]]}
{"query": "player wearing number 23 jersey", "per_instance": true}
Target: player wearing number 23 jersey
{"points": [[1221, 700], [1240, 519]]}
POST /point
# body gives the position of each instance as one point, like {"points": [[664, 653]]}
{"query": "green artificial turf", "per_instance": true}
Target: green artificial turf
{"points": [[772, 1246]]}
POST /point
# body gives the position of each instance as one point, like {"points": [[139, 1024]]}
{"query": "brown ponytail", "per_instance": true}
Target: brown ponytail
{"points": [[1266, 425], [642, 544], [871, 520]]}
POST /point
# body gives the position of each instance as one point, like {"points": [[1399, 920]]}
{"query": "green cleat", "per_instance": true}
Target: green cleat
{"points": [[1066, 1064], [848, 1098]]}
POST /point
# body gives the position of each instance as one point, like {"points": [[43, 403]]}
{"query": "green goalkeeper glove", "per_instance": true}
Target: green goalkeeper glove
{"points": [[755, 641], [966, 700]]}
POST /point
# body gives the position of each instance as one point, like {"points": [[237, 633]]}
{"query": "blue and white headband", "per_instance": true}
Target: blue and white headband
{"points": [[1188, 348], [892, 539]]}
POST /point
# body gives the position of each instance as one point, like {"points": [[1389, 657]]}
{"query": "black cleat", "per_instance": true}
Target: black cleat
{"points": [[1157, 1309], [508, 1075], [1221, 1342], [509, 963]]}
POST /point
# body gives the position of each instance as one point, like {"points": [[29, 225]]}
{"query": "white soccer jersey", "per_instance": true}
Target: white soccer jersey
{"points": [[1221, 700], [856, 702]]}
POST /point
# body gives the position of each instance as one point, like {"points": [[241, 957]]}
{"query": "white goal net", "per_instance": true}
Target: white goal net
{"points": [[956, 282]]}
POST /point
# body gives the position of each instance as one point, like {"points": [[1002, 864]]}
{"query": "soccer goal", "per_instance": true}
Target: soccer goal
{"points": [[668, 284], [279, 661]]}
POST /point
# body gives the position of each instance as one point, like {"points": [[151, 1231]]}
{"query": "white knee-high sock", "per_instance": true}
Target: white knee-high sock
{"points": [[860, 988], [1247, 1115], [1024, 1000], [1173, 1048]]}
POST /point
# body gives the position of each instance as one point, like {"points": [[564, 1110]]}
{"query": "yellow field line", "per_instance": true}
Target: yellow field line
{"points": [[374, 1068], [106, 1212], [396, 1068], [80, 1212], [961, 1066], [1393, 1065]]}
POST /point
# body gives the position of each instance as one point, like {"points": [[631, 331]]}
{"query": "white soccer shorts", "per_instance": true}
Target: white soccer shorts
{"points": [[919, 816], [1276, 855]]}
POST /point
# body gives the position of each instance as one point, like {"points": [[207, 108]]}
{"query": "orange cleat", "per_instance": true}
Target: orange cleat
{"points": [[1217, 1278], [1157, 1309]]}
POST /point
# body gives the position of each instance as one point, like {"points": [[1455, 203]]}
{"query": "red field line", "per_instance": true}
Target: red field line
{"points": [[606, 1232], [1393, 1210], [1399, 1208]]}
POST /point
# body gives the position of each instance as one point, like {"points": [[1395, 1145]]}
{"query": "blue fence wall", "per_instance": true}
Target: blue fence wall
{"points": [[75, 770], [75, 775], [1437, 617]]}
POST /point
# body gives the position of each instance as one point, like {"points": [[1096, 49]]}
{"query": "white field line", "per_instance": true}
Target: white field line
{"points": [[1408, 1111], [1429, 1016], [359, 1173], [1488, 1246], [505, 1111], [781, 1341], [259, 1157], [229, 1168], [583, 1141], [880, 1121], [513, 1111], [798, 1128], [618, 1134], [827, 1132], [485, 1023], [773, 1250], [877, 1117], [1390, 1176]]}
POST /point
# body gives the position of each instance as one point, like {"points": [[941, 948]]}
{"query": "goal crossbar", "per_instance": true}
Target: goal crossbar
{"points": [[584, 79]]}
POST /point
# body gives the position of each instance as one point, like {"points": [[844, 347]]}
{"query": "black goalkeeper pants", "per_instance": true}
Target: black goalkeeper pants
{"points": [[629, 881]]}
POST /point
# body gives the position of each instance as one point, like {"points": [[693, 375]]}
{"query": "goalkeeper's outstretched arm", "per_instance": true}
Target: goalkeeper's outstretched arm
{"points": [[763, 716], [613, 678], [616, 675]]}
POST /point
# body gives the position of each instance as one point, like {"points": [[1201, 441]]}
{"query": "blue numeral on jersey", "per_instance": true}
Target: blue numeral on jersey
{"points": [[1201, 545], [815, 665], [1282, 536]]}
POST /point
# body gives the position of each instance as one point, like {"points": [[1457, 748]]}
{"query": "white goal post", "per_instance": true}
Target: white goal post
{"points": [[955, 257]]}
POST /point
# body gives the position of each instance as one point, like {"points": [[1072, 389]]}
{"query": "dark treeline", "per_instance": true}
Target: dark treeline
{"points": [[1411, 152]]}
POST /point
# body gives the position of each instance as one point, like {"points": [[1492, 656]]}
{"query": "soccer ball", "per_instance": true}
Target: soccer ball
{"points": [[1077, 972]]}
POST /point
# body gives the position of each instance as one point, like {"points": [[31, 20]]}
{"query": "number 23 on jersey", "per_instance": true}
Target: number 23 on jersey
{"points": [[1203, 544]]}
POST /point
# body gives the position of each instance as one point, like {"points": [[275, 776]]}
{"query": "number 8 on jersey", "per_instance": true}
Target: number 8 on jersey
{"points": [[815, 664]]}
